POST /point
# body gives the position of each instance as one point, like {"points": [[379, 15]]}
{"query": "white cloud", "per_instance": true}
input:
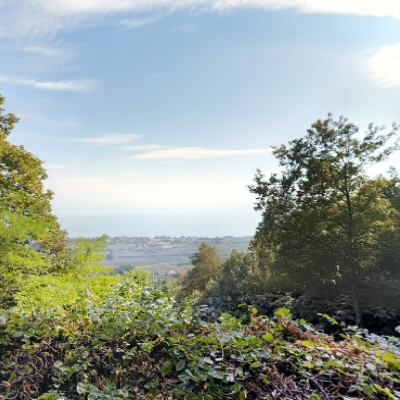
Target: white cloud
{"points": [[375, 8], [381, 8], [108, 139], [195, 153], [78, 86], [54, 50], [46, 17], [384, 66], [138, 22]]}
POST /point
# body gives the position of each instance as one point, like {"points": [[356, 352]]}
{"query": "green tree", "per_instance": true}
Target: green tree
{"points": [[326, 221], [242, 273], [31, 240], [88, 252], [206, 269]]}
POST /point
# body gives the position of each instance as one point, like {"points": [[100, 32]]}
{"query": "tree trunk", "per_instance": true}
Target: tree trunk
{"points": [[354, 288], [356, 306]]}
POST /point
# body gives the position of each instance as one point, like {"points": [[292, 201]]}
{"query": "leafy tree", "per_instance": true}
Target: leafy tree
{"points": [[206, 269], [242, 273], [88, 252], [31, 240], [327, 222]]}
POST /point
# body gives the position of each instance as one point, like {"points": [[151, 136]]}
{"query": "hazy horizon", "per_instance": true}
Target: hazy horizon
{"points": [[196, 223]]}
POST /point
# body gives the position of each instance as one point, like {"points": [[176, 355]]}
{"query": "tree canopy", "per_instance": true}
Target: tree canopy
{"points": [[326, 221], [31, 239], [206, 268]]}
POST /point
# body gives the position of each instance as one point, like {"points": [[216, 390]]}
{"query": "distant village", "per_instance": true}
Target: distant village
{"points": [[165, 256]]}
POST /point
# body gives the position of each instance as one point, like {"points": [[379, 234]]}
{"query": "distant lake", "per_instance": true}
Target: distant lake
{"points": [[241, 222]]}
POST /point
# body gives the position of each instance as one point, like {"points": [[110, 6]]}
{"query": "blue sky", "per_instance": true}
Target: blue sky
{"points": [[161, 110]]}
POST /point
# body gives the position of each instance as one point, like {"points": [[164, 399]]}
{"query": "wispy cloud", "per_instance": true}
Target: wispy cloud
{"points": [[375, 8], [195, 153], [44, 17], [384, 66], [134, 23], [54, 50], [108, 140], [77, 86], [358, 7]]}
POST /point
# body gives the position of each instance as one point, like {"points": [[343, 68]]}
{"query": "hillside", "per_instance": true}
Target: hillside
{"points": [[138, 343]]}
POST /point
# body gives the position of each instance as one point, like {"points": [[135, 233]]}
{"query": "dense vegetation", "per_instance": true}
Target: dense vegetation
{"points": [[70, 329], [140, 343], [329, 237]]}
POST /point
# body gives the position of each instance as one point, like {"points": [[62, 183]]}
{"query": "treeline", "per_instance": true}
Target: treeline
{"points": [[329, 238]]}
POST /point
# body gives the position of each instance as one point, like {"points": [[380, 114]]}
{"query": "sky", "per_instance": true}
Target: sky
{"points": [[152, 116]]}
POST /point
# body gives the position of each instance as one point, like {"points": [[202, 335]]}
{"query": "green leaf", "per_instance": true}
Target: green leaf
{"points": [[283, 312], [181, 365], [268, 337], [368, 390], [167, 367], [354, 388], [82, 388], [390, 394], [266, 381], [390, 359]]}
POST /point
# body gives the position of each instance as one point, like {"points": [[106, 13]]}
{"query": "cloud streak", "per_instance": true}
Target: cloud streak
{"points": [[77, 86], [108, 140], [195, 153], [379, 8], [138, 22], [374, 8], [384, 66], [42, 17]]}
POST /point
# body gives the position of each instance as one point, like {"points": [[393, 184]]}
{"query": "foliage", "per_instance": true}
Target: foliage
{"points": [[206, 270], [242, 273], [31, 240], [326, 224], [141, 344], [89, 251], [84, 279]]}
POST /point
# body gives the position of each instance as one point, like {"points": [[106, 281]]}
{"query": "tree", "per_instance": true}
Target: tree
{"points": [[327, 222], [31, 240], [242, 273], [206, 268]]}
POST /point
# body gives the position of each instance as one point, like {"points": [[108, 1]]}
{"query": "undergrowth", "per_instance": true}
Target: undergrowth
{"points": [[141, 344]]}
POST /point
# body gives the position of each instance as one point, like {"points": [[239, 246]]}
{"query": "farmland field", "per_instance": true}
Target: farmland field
{"points": [[164, 254]]}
